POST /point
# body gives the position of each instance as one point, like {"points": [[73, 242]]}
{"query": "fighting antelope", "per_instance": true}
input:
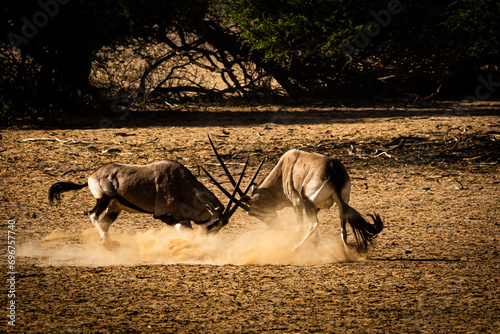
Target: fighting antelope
{"points": [[165, 189], [307, 182]]}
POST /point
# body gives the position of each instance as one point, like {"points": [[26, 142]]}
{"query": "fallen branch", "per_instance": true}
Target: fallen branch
{"points": [[435, 93], [67, 172], [225, 163], [383, 153]]}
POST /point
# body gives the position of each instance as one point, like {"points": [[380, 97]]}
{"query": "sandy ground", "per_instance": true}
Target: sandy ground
{"points": [[431, 173]]}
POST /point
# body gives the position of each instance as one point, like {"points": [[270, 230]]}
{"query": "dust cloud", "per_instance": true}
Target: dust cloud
{"points": [[167, 246]]}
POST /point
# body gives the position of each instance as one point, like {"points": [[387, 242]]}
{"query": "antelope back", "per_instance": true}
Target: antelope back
{"points": [[300, 174], [162, 187]]}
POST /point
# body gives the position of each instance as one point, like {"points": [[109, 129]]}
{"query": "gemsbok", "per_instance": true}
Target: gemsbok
{"points": [[307, 182], [165, 189]]}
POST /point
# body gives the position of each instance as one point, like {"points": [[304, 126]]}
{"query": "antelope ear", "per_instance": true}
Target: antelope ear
{"points": [[210, 209]]}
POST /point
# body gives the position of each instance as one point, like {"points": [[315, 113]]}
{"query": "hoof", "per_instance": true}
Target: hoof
{"points": [[362, 250], [110, 244]]}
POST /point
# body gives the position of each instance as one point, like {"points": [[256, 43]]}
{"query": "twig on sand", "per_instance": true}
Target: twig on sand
{"points": [[460, 183], [49, 139], [361, 178]]}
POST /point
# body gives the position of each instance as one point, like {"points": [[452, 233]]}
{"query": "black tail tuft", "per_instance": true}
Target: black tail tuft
{"points": [[378, 224], [364, 232], [57, 188]]}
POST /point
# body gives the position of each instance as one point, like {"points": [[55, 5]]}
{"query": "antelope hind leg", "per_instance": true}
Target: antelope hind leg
{"points": [[109, 217], [100, 206], [343, 233]]}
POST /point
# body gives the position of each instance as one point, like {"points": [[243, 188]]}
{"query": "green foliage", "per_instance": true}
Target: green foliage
{"points": [[475, 22], [288, 31], [298, 42], [305, 36]]}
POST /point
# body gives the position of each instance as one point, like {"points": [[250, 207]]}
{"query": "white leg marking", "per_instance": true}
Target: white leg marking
{"points": [[180, 228], [183, 226], [343, 234], [312, 228], [95, 221]]}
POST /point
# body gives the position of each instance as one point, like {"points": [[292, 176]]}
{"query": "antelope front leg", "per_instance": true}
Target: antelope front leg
{"points": [[311, 213], [299, 214], [183, 226]]}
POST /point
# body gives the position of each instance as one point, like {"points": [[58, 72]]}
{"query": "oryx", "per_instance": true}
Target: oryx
{"points": [[165, 189], [307, 182]]}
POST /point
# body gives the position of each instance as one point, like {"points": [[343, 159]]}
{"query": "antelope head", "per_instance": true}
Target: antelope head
{"points": [[216, 222], [244, 200]]}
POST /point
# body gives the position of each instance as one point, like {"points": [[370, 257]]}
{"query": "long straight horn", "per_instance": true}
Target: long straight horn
{"points": [[236, 188], [221, 188], [254, 177], [246, 207], [219, 158]]}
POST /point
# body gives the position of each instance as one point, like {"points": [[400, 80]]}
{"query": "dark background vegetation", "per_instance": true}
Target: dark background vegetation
{"points": [[259, 49]]}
